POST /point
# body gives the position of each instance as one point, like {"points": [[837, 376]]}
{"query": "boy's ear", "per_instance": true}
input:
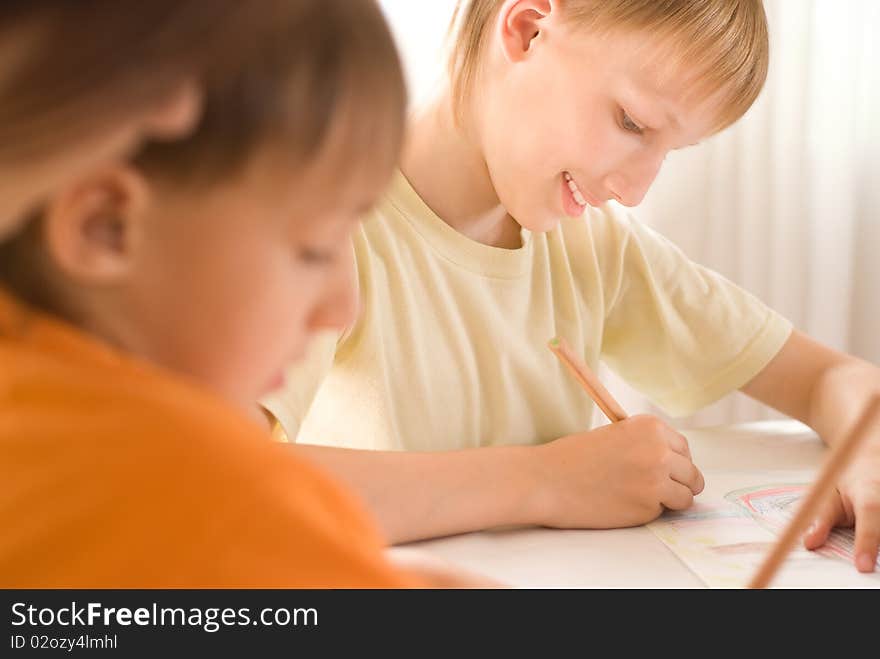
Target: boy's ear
{"points": [[519, 23], [93, 228]]}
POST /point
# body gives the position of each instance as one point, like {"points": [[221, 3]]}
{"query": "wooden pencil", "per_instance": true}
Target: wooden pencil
{"points": [[840, 457], [588, 380]]}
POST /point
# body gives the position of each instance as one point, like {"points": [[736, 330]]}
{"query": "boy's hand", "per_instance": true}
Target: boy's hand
{"points": [[841, 396], [857, 503], [619, 475], [828, 391]]}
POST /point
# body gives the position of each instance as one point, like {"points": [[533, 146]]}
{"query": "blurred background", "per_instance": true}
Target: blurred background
{"points": [[786, 203]]}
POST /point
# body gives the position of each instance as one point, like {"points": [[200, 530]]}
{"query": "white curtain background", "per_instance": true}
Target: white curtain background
{"points": [[786, 203]]}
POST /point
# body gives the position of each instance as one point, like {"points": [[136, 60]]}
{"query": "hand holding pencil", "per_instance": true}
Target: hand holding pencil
{"points": [[637, 465], [840, 456]]}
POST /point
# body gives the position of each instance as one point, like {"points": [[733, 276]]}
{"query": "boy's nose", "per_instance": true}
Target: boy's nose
{"points": [[339, 306], [630, 184]]}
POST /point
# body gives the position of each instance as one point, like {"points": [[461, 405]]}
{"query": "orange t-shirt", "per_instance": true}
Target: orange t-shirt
{"points": [[116, 474]]}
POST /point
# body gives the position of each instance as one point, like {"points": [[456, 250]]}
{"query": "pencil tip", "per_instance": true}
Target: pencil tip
{"points": [[554, 342]]}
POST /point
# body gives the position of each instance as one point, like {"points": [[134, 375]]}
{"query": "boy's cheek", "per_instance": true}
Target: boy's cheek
{"points": [[255, 366]]}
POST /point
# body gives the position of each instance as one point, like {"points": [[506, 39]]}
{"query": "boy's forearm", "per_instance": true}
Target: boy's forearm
{"points": [[418, 495], [815, 384], [839, 396]]}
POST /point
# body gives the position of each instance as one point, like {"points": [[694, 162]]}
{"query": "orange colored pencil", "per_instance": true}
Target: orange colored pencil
{"points": [[588, 380], [837, 461]]}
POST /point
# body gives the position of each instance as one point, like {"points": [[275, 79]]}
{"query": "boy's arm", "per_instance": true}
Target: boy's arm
{"points": [[418, 495], [828, 391], [619, 475]]}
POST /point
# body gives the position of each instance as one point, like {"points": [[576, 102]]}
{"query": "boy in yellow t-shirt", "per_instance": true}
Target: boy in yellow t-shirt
{"points": [[559, 110]]}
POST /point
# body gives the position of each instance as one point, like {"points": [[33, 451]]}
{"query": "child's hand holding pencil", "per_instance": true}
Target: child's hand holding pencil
{"points": [[622, 474], [820, 492]]}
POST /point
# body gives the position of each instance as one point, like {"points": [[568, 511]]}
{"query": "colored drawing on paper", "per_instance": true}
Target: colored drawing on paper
{"points": [[725, 536], [772, 506]]}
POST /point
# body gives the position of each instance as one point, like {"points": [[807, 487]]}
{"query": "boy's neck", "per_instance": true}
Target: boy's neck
{"points": [[445, 165]]}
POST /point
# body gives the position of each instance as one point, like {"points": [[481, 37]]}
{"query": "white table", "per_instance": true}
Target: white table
{"points": [[634, 557]]}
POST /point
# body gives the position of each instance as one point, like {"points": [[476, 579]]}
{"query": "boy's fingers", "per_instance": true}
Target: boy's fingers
{"points": [[679, 444], [677, 496], [831, 513], [683, 471], [867, 536]]}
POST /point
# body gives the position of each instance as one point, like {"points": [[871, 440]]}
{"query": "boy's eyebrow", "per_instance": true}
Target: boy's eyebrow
{"points": [[671, 116]]}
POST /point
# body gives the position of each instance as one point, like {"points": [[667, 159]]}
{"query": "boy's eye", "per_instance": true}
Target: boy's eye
{"points": [[312, 256], [630, 125]]}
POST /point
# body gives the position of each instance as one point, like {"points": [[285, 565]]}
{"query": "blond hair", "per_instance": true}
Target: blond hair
{"points": [[726, 40]]}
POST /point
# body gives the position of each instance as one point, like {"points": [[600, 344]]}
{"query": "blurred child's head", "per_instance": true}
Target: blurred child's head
{"points": [[595, 93], [83, 82], [219, 254]]}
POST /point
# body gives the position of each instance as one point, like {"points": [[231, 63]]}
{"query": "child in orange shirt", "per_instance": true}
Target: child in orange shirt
{"points": [[148, 304]]}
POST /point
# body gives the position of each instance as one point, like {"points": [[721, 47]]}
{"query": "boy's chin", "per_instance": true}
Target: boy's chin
{"points": [[541, 223]]}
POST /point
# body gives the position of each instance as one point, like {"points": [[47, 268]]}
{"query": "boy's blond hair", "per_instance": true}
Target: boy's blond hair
{"points": [[726, 41]]}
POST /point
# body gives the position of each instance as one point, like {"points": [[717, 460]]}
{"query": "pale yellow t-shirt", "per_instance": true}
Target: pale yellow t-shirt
{"points": [[450, 350]]}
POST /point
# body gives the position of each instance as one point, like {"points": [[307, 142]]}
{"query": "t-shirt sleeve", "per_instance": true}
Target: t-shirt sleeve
{"points": [[678, 332], [290, 404]]}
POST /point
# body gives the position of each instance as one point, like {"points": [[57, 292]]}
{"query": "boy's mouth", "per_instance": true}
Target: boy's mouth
{"points": [[574, 201], [277, 382], [575, 190]]}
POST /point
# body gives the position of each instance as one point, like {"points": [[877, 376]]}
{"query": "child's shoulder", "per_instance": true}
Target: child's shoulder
{"points": [[117, 425], [62, 388]]}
